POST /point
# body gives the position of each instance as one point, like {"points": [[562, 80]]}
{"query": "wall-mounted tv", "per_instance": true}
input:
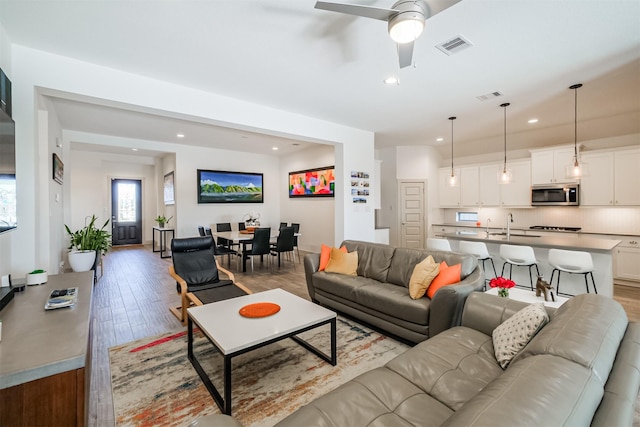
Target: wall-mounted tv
{"points": [[8, 201], [229, 187], [318, 182]]}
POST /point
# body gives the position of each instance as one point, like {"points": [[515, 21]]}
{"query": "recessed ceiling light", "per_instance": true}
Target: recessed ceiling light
{"points": [[532, 121], [391, 81], [134, 149], [180, 135], [439, 139], [274, 148]]}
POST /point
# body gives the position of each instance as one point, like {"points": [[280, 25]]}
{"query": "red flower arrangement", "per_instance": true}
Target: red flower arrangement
{"points": [[503, 284]]}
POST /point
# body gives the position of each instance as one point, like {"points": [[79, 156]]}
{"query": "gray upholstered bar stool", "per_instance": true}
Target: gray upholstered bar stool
{"points": [[520, 256], [572, 262], [438, 244], [480, 251]]}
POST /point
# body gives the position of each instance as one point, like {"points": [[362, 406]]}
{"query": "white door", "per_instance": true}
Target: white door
{"points": [[412, 214]]}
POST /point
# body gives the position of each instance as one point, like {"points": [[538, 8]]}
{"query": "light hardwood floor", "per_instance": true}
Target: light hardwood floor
{"points": [[132, 300]]}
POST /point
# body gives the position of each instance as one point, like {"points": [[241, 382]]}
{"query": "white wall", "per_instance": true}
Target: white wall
{"points": [[36, 72], [5, 238], [315, 215], [164, 166]]}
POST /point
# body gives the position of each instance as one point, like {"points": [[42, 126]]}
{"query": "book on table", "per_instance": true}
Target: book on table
{"points": [[60, 298]]}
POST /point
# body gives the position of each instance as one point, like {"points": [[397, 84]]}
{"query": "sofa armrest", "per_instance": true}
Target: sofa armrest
{"points": [[311, 265], [484, 312], [446, 305]]}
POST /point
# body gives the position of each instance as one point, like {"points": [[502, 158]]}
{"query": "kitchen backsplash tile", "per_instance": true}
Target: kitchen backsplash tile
{"points": [[609, 220]]}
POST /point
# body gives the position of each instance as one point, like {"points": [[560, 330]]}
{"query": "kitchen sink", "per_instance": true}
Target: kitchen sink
{"points": [[504, 233]]}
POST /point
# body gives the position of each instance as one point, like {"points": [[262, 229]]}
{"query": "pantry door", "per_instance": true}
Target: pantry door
{"points": [[412, 204]]}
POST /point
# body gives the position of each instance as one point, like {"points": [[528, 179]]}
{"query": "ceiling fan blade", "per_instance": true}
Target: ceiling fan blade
{"points": [[358, 10], [405, 54], [437, 6]]}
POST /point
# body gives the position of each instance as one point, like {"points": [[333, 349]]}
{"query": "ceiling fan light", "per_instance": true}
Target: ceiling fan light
{"points": [[406, 27]]}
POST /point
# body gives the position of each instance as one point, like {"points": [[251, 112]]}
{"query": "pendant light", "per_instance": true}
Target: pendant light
{"points": [[453, 179], [504, 176], [577, 168]]}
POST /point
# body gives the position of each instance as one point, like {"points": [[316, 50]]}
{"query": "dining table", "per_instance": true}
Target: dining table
{"points": [[244, 238]]}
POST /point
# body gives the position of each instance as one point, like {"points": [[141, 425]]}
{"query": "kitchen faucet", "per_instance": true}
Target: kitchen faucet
{"points": [[488, 221], [509, 221]]}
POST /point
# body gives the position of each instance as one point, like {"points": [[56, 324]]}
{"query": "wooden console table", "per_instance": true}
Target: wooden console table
{"points": [[45, 356]]}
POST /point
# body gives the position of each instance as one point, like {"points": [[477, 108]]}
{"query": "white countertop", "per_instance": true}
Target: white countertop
{"points": [[572, 241], [532, 231]]}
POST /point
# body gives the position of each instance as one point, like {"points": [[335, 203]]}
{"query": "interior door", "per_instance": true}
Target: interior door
{"points": [[412, 214], [126, 211]]}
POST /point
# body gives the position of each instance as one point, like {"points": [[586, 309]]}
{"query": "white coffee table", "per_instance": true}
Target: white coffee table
{"points": [[530, 297], [233, 334]]}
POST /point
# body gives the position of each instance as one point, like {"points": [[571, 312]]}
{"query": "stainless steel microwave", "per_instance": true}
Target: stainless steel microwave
{"points": [[555, 195]]}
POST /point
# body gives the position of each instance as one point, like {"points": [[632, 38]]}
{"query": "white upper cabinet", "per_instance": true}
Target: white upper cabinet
{"points": [[549, 166], [518, 191], [489, 187], [449, 196], [596, 187], [469, 186], [627, 177]]}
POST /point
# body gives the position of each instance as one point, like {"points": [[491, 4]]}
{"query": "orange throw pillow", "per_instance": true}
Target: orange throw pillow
{"points": [[447, 276], [325, 254]]}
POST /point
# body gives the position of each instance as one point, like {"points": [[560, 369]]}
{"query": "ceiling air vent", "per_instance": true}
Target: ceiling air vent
{"points": [[454, 45], [489, 96]]}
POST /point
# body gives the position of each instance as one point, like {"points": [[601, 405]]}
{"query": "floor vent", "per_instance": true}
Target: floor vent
{"points": [[454, 45], [489, 96]]}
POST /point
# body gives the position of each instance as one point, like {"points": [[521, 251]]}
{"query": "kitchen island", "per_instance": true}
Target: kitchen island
{"points": [[601, 251]]}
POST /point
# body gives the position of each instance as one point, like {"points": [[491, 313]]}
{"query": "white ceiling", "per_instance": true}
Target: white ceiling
{"points": [[288, 55]]}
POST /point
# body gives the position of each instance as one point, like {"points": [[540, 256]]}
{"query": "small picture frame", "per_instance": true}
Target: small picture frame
{"points": [[169, 194], [58, 169]]}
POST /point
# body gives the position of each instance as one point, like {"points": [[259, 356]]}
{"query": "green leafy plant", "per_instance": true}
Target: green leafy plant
{"points": [[90, 237], [37, 271], [161, 219]]}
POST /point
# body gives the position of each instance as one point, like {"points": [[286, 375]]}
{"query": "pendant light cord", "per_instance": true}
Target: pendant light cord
{"points": [[452, 119], [575, 120], [505, 105]]}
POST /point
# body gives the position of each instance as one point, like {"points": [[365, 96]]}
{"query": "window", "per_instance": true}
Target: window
{"points": [[467, 217]]}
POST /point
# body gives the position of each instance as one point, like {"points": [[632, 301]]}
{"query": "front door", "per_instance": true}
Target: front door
{"points": [[126, 211], [412, 217]]}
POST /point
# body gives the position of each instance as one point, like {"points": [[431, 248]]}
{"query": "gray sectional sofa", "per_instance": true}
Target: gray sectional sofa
{"points": [[379, 294], [581, 369]]}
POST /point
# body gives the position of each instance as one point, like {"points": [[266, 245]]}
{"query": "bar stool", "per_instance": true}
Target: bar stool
{"points": [[520, 256], [438, 244], [480, 251], [572, 262]]}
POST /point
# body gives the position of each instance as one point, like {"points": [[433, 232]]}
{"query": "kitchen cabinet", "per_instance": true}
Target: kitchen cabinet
{"points": [[597, 187], [612, 178], [489, 188], [627, 260], [548, 166], [518, 192], [449, 196], [469, 186], [626, 176]]}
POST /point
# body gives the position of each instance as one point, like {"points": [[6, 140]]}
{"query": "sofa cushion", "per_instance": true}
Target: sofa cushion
{"points": [[378, 398], [374, 259], [587, 330], [452, 366], [448, 275], [325, 255], [394, 301], [423, 274], [543, 390], [405, 259], [340, 284], [512, 335], [342, 262]]}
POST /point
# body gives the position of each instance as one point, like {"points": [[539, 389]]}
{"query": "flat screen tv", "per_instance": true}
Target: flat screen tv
{"points": [[229, 187], [318, 182], [8, 217]]}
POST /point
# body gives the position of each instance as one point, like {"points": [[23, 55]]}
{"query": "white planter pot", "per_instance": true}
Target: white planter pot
{"points": [[36, 278], [82, 260]]}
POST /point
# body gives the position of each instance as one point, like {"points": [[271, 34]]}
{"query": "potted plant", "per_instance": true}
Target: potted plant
{"points": [[36, 277], [162, 220], [88, 244]]}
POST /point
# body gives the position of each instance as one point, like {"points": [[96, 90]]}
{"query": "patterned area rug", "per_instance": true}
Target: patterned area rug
{"points": [[154, 384]]}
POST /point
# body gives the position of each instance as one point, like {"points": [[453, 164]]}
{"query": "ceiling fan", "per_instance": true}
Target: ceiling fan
{"points": [[405, 19]]}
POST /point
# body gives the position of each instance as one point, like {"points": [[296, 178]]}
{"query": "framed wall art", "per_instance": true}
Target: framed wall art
{"points": [[169, 194], [229, 187], [319, 182], [58, 169]]}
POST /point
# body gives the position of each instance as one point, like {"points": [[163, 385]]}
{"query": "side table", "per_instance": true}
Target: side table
{"points": [[163, 240], [530, 297]]}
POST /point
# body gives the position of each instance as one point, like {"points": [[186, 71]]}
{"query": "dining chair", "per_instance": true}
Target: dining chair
{"points": [[196, 272], [260, 245], [296, 230], [201, 231], [284, 243], [242, 226], [282, 225], [221, 227]]}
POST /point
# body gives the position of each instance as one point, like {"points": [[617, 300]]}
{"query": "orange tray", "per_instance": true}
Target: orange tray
{"points": [[259, 309]]}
